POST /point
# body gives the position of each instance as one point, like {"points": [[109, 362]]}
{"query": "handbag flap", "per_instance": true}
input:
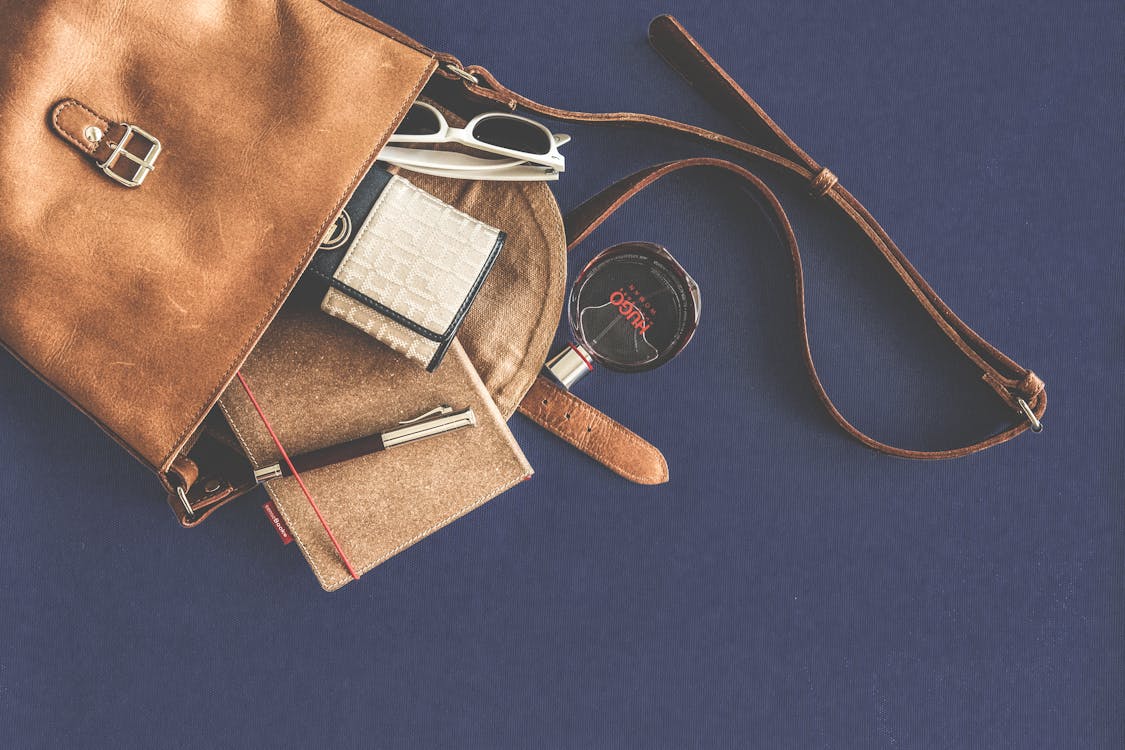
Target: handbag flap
{"points": [[139, 305]]}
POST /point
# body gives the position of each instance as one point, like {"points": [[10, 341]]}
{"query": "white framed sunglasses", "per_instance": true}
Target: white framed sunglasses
{"points": [[499, 133], [456, 165]]}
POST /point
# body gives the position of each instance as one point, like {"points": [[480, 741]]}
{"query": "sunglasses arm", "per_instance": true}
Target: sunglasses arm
{"points": [[445, 160], [518, 173]]}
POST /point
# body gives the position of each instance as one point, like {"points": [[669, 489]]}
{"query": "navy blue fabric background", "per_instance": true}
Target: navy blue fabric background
{"points": [[788, 587]]}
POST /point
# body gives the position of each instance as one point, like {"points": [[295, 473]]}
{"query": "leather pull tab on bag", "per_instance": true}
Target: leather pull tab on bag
{"points": [[125, 153]]}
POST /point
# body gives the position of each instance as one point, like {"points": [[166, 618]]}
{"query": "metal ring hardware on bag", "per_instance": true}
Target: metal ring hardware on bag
{"points": [[462, 73], [182, 495], [1036, 425]]}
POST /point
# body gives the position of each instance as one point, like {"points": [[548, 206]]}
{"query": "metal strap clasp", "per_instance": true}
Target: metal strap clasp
{"points": [[182, 495], [142, 166], [461, 73], [1036, 425]]}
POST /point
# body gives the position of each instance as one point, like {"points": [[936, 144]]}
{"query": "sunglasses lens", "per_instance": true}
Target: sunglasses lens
{"points": [[518, 135], [419, 121]]}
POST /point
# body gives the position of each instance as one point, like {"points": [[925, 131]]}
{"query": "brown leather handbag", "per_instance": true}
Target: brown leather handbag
{"points": [[170, 170]]}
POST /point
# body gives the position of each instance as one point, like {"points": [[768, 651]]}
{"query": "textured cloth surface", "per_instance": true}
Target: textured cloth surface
{"points": [[787, 588], [392, 333], [511, 323], [350, 387]]}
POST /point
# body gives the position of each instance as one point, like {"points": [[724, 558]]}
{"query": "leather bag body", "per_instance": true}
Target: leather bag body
{"points": [[139, 305]]}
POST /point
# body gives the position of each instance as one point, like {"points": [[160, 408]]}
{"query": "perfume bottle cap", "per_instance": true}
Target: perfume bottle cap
{"points": [[633, 308], [570, 365]]}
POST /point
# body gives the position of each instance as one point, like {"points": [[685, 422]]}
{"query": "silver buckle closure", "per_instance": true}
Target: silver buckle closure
{"points": [[144, 165]]}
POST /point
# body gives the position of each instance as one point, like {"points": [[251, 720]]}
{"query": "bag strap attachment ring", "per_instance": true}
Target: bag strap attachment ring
{"points": [[145, 165], [463, 74], [1036, 425]]}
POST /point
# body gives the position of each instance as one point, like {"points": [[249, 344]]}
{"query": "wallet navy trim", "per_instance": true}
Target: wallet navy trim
{"points": [[327, 261]]}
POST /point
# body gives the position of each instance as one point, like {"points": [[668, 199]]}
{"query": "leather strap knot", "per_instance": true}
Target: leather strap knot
{"points": [[823, 182], [1031, 385]]}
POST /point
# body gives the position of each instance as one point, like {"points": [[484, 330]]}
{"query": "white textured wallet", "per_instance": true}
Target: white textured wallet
{"points": [[404, 266]]}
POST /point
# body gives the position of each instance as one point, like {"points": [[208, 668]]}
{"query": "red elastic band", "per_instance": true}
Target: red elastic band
{"points": [[297, 476], [583, 357]]}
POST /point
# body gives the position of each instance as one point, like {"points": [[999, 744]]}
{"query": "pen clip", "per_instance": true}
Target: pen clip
{"points": [[435, 412]]}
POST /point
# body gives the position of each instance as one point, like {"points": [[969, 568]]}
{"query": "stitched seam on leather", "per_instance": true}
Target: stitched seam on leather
{"points": [[628, 434], [238, 434], [307, 255], [598, 455], [710, 69], [617, 118], [84, 146], [335, 257], [555, 426], [909, 282], [365, 19]]}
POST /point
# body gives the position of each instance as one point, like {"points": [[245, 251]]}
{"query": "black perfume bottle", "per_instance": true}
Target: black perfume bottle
{"points": [[631, 309]]}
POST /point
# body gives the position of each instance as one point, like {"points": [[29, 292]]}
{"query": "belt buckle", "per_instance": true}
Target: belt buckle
{"points": [[144, 164]]}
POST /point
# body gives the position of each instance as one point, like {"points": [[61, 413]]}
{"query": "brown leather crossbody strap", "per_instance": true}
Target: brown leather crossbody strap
{"points": [[1018, 387], [591, 214], [685, 55]]}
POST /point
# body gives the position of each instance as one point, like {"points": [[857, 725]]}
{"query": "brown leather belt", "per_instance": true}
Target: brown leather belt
{"points": [[582, 425]]}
